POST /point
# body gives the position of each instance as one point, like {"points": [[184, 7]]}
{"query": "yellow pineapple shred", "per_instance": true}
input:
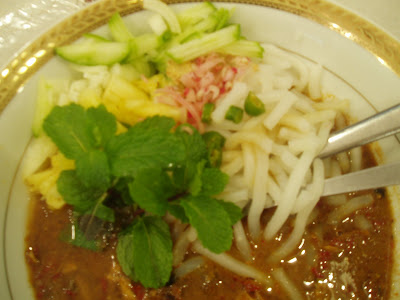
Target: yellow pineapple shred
{"points": [[44, 182], [89, 98], [131, 102]]}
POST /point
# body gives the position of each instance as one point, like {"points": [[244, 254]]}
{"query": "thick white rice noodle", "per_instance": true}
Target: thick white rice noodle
{"points": [[241, 242], [286, 284], [361, 222], [350, 207], [188, 266], [271, 158], [233, 264]]}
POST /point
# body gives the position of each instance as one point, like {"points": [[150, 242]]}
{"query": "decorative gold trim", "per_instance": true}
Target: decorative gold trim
{"points": [[385, 48]]}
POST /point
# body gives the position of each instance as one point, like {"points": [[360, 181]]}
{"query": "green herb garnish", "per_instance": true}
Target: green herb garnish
{"points": [[154, 167]]}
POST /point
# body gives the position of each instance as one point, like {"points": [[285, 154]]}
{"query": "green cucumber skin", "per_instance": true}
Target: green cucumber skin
{"points": [[118, 29], [99, 53], [208, 43]]}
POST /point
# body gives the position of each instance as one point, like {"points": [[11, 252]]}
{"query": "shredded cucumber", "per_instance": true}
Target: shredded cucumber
{"points": [[118, 29], [165, 11], [139, 45], [207, 43], [195, 14], [99, 53], [157, 24], [147, 42], [207, 25], [94, 38], [47, 96], [193, 32], [243, 48]]}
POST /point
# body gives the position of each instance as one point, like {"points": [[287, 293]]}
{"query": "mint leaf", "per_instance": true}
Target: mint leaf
{"points": [[104, 124], [176, 209], [195, 185], [102, 212], [155, 123], [151, 189], [76, 131], [76, 193], [144, 251], [125, 250], [213, 181], [195, 146], [93, 170], [187, 174], [120, 193], [70, 129], [78, 239], [144, 146], [234, 211], [211, 221], [183, 174]]}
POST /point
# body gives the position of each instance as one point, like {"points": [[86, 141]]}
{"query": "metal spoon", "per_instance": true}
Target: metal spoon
{"points": [[378, 126], [371, 178]]}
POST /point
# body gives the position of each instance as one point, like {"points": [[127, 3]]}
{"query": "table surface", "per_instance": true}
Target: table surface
{"points": [[21, 21]]}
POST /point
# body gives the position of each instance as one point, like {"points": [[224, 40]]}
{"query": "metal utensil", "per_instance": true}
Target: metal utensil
{"points": [[371, 178], [378, 126]]}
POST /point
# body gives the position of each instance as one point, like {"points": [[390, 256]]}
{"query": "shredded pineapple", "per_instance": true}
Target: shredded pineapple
{"points": [[45, 181], [89, 98], [132, 102]]}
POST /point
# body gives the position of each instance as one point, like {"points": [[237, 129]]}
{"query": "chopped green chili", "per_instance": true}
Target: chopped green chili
{"points": [[215, 142], [253, 106], [234, 114], [208, 108]]}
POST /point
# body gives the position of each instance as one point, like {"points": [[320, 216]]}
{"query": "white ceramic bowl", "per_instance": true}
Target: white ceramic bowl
{"points": [[360, 64]]}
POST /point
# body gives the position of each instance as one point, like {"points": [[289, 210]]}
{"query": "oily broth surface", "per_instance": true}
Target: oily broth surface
{"points": [[333, 260]]}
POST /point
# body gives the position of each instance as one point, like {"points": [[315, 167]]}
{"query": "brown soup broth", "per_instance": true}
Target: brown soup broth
{"points": [[339, 261]]}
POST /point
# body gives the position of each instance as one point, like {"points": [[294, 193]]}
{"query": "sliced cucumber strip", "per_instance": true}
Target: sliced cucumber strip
{"points": [[94, 38], [206, 44], [243, 48], [206, 25], [125, 71], [99, 53], [45, 101], [165, 11], [118, 29], [222, 16], [142, 45], [143, 66], [157, 24], [147, 42], [195, 14], [216, 20]]}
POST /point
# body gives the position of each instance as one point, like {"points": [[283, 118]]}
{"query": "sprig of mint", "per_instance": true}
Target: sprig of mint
{"points": [[145, 251], [156, 166]]}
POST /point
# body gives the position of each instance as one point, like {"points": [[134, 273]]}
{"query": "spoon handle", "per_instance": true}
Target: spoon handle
{"points": [[378, 126], [371, 178]]}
